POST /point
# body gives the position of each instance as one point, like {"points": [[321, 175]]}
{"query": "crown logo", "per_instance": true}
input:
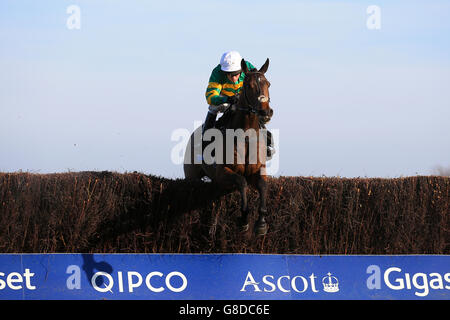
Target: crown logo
{"points": [[330, 283]]}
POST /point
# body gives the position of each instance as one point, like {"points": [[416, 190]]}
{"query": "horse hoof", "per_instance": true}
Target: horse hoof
{"points": [[261, 229]]}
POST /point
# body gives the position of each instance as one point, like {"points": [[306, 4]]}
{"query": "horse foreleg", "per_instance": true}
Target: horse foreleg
{"points": [[243, 220], [261, 224]]}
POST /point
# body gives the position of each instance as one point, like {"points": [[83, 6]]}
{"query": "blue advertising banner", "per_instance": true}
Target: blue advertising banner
{"points": [[223, 276]]}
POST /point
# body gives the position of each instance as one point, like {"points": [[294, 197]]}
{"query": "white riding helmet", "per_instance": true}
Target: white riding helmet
{"points": [[230, 61]]}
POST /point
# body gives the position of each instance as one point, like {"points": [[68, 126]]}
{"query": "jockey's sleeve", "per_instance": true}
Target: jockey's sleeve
{"points": [[215, 87]]}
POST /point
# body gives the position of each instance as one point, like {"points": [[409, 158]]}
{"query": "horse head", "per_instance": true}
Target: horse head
{"points": [[255, 96]]}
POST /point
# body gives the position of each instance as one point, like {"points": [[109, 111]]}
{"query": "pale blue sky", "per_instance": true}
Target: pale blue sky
{"points": [[348, 101]]}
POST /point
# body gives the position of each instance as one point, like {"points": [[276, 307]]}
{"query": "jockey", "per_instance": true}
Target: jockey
{"points": [[224, 85]]}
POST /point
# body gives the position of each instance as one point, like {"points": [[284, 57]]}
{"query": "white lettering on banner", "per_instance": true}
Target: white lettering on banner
{"points": [[107, 287], [250, 281], [131, 284], [135, 280], [14, 280], [283, 283], [147, 281], [395, 279]]}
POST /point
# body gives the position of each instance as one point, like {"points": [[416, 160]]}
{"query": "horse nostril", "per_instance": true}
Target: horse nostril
{"points": [[265, 112], [270, 112]]}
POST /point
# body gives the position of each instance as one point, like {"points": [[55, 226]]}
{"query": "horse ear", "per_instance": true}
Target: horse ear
{"points": [[244, 66], [265, 66]]}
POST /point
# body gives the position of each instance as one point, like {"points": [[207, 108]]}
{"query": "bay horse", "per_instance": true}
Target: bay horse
{"points": [[238, 172]]}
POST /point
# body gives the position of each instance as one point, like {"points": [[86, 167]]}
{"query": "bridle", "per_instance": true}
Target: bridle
{"points": [[251, 108]]}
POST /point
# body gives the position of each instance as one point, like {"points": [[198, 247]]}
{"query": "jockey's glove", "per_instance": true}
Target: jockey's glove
{"points": [[232, 100]]}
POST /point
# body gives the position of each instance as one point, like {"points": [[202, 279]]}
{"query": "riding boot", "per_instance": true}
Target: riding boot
{"points": [[210, 121]]}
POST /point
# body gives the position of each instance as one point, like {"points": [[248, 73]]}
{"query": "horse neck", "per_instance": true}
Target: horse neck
{"points": [[244, 120]]}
